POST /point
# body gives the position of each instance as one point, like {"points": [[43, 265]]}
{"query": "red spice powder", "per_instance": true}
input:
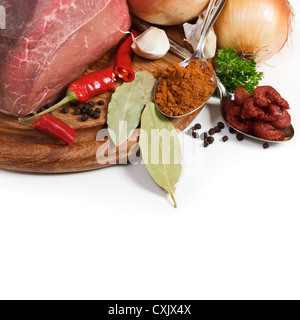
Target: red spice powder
{"points": [[184, 89]]}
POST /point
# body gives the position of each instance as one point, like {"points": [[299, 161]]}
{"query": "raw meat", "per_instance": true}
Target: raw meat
{"points": [[49, 43]]}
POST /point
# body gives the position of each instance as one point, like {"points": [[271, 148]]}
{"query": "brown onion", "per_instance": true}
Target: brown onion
{"points": [[167, 12], [256, 28]]}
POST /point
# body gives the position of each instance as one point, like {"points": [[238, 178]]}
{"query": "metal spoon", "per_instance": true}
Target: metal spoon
{"points": [[225, 96], [214, 9]]}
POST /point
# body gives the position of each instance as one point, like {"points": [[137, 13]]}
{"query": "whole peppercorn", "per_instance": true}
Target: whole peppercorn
{"points": [[210, 140], [211, 131], [78, 111], [91, 112], [197, 126], [96, 115], [221, 125], [240, 137], [65, 110], [91, 104], [225, 138], [84, 117], [232, 131], [100, 103], [217, 129]]}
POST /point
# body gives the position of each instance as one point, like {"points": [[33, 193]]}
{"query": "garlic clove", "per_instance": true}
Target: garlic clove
{"points": [[192, 34], [152, 44]]}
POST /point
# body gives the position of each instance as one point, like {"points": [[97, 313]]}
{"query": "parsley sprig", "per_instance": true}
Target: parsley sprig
{"points": [[235, 71]]}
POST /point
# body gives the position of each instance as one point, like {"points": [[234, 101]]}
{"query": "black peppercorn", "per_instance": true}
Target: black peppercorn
{"points": [[84, 117], [232, 131], [98, 110], [210, 140], [211, 131], [217, 129], [206, 144], [225, 138], [78, 111], [221, 125], [240, 137], [100, 103], [266, 146], [91, 112], [65, 110], [96, 115], [91, 104], [197, 126]]}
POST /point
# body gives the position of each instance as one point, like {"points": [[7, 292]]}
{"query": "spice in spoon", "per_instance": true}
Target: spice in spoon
{"points": [[184, 89]]}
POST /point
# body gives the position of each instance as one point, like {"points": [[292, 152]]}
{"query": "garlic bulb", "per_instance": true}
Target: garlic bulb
{"points": [[192, 34], [152, 44]]}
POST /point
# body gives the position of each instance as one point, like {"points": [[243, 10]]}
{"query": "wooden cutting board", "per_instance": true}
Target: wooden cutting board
{"points": [[27, 150]]}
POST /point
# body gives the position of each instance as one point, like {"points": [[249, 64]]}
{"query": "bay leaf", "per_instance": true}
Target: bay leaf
{"points": [[148, 83], [161, 150], [125, 110]]}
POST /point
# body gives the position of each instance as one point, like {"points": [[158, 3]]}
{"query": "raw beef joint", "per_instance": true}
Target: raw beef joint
{"points": [[48, 43]]}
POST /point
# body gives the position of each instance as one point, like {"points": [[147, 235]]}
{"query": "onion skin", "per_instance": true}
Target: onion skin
{"points": [[167, 12], [258, 28]]}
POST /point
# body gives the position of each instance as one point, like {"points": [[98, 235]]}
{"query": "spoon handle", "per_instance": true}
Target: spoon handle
{"points": [[214, 9], [223, 92]]}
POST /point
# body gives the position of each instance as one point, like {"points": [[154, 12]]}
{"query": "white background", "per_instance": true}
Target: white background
{"points": [[113, 234]]}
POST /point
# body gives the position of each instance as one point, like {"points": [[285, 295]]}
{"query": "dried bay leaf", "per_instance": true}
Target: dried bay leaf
{"points": [[148, 83], [125, 110], [161, 149]]}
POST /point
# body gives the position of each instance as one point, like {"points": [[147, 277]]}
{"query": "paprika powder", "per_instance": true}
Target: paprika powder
{"points": [[184, 89]]}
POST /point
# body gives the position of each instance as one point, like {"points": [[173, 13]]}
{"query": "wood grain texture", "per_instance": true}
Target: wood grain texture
{"points": [[27, 150]]}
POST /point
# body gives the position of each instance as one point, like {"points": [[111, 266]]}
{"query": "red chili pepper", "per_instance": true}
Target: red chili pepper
{"points": [[84, 89], [123, 62], [92, 84], [55, 128]]}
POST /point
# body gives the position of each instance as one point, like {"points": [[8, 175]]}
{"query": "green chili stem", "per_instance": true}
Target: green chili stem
{"points": [[70, 97]]}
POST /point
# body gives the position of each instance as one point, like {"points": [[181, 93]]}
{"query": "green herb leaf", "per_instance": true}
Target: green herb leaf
{"points": [[148, 82], [236, 72], [161, 149], [125, 110]]}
